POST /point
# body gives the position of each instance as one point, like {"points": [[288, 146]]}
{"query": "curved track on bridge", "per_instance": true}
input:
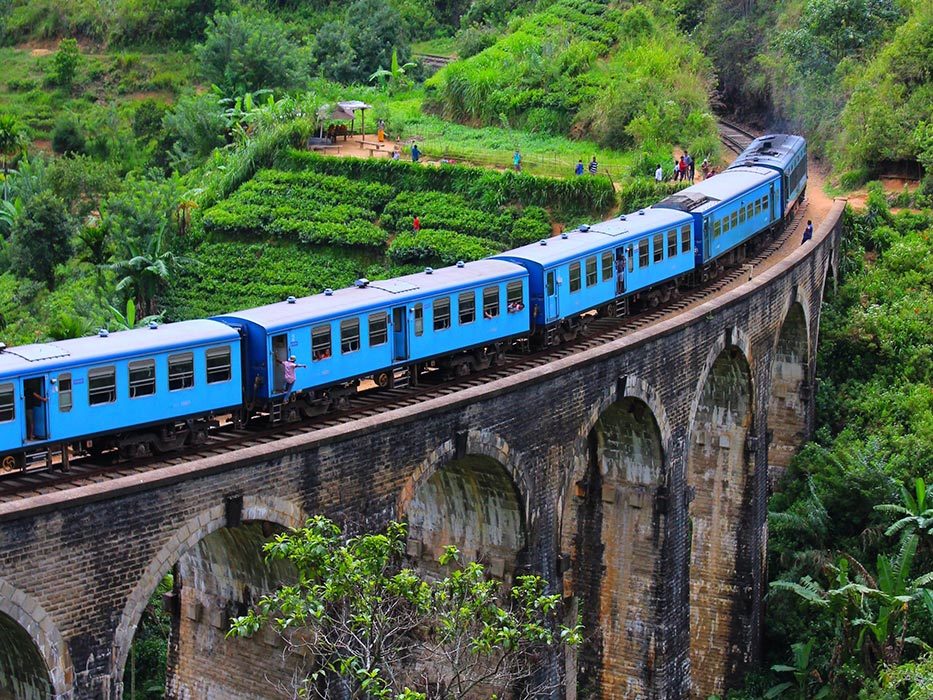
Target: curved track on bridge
{"points": [[35, 482]]}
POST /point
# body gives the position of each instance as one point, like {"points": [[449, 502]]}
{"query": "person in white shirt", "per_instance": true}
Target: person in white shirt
{"points": [[659, 174]]}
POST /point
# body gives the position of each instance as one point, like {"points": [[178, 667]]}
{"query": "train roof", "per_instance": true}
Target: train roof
{"points": [[707, 195], [773, 150], [42, 357], [606, 234], [368, 295]]}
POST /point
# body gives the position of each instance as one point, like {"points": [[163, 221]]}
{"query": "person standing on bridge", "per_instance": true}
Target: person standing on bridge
{"points": [[807, 232], [288, 370]]}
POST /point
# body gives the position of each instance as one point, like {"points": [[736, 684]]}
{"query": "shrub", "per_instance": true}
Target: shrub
{"points": [[440, 247], [68, 137], [65, 63]]}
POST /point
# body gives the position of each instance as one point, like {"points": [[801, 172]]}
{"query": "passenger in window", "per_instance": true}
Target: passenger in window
{"points": [[515, 307], [289, 366], [33, 403]]}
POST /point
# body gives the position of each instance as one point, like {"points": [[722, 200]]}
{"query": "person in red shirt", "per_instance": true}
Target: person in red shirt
{"points": [[416, 224]]}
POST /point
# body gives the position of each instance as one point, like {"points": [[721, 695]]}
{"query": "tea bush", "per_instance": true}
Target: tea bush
{"points": [[442, 247]]}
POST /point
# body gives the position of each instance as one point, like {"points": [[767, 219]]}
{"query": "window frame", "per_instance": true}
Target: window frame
{"points": [[657, 245], [10, 388], [686, 238], [470, 298], [372, 322], [219, 351], [608, 268], [348, 327], [418, 311], [491, 310], [717, 228], [440, 315], [757, 207], [643, 253], [591, 266], [672, 245], [510, 299], [147, 363], [95, 372], [175, 359], [742, 214], [318, 352], [575, 271], [734, 218], [65, 377]]}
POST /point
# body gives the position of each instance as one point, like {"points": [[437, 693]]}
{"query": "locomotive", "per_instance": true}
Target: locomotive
{"points": [[156, 389]]}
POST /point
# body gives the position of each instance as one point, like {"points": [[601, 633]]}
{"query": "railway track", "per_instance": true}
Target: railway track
{"points": [[36, 481], [734, 137]]}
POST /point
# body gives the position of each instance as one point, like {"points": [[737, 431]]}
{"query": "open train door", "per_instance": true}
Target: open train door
{"points": [[551, 302], [36, 401]]}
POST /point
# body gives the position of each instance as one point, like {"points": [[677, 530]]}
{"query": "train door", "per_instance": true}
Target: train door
{"points": [[399, 333], [279, 355], [551, 303], [771, 202], [36, 399], [707, 250], [10, 421], [620, 271]]}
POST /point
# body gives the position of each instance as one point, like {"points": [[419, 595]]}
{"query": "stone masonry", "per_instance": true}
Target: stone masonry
{"points": [[634, 476]]}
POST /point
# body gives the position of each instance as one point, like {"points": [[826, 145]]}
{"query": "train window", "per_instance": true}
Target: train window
{"points": [[64, 393], [631, 259], [419, 319], [725, 224], [466, 305], [442, 313], [717, 227], [764, 202], [218, 364], [575, 277], [7, 407], [592, 276], [513, 296], [658, 247], [320, 342], [378, 329], [750, 210], [735, 219], [607, 266], [142, 378], [349, 335], [741, 215], [757, 206], [490, 302], [685, 238], [672, 243], [643, 252], [101, 385], [180, 371]]}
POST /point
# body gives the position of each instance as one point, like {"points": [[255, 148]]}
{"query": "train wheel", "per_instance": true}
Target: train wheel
{"points": [[382, 380], [10, 463]]}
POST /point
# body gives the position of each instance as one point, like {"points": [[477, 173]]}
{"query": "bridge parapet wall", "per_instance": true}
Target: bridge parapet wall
{"points": [[89, 557]]}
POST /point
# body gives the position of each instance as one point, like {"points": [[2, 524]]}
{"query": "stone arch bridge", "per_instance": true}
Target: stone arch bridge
{"points": [[633, 475]]}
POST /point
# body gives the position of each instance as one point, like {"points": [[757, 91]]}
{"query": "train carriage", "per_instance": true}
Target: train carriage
{"points": [[784, 153], [374, 327], [145, 388]]}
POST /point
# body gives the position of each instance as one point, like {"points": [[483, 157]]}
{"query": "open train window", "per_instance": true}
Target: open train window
{"points": [[180, 371], [218, 364], [466, 305], [65, 401], [643, 252], [419, 319], [725, 224], [607, 266], [735, 219], [320, 342], [575, 277], [142, 378], [378, 329], [685, 238], [349, 335], [490, 302], [750, 210], [672, 243], [741, 215], [514, 300], [442, 314], [764, 202], [757, 206], [658, 247], [7, 407], [101, 385], [591, 273], [717, 228]]}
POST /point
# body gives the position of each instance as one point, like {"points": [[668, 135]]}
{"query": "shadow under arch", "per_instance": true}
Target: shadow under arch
{"points": [[788, 419], [34, 640], [184, 539], [717, 471]]}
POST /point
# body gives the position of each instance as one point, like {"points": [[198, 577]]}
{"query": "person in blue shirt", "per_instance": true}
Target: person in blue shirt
{"points": [[517, 161], [807, 232], [579, 169], [415, 153]]}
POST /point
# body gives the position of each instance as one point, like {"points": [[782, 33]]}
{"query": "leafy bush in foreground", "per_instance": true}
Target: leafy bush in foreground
{"points": [[439, 246]]}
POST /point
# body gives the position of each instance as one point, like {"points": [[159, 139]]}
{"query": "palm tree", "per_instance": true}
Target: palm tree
{"points": [[145, 273], [12, 138]]}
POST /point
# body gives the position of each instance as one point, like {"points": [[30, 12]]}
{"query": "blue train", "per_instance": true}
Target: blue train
{"points": [[156, 389]]}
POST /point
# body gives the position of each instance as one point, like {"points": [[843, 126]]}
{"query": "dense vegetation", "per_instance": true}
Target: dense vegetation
{"points": [[853, 595]]}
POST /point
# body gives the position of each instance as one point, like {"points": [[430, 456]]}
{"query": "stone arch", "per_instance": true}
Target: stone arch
{"points": [[610, 532], [718, 465], [788, 419], [31, 635], [471, 495], [183, 540]]}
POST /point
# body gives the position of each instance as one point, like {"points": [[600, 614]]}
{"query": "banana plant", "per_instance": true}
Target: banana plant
{"points": [[394, 76], [804, 677]]}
